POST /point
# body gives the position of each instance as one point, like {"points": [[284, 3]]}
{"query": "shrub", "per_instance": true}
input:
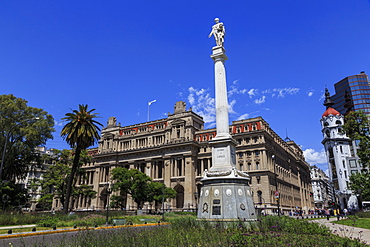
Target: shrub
{"points": [[48, 222]]}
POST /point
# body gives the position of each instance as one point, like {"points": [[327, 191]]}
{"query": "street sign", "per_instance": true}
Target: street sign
{"points": [[276, 194]]}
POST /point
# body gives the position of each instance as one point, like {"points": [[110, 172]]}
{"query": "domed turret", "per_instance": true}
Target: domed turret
{"points": [[330, 111]]}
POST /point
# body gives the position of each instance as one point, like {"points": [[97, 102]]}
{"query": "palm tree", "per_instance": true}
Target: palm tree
{"points": [[80, 133]]}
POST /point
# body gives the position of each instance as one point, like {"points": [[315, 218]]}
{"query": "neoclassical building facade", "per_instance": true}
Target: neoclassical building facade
{"points": [[176, 151]]}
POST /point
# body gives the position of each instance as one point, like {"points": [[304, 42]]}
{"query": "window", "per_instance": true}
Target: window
{"points": [[352, 163], [257, 165]]}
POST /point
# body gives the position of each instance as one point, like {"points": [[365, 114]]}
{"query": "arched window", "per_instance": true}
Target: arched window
{"points": [[259, 194]]}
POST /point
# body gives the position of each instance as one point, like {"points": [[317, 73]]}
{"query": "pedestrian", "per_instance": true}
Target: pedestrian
{"points": [[345, 211], [327, 213]]}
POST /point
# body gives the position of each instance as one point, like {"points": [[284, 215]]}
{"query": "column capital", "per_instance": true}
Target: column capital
{"points": [[218, 53]]}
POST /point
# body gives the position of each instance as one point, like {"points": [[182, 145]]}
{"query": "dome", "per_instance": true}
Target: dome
{"points": [[330, 111]]}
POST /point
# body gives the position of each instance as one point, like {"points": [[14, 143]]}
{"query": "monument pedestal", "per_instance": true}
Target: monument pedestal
{"points": [[226, 196]]}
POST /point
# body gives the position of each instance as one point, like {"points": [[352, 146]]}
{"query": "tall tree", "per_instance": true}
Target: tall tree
{"points": [[357, 128], [80, 132], [22, 133], [55, 179], [54, 183]]}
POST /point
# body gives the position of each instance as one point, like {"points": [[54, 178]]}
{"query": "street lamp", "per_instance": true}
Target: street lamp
{"points": [[6, 142], [108, 191], [196, 201], [359, 199], [149, 103], [5, 199], [163, 202]]}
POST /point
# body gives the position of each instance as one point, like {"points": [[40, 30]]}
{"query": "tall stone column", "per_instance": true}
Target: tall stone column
{"points": [[222, 108], [223, 145], [225, 194]]}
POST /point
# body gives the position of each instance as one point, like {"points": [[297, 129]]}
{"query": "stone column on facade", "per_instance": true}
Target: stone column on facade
{"points": [[95, 178], [189, 185], [148, 168], [167, 166], [167, 171]]}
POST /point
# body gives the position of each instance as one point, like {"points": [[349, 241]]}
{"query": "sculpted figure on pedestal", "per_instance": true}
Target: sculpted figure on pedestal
{"points": [[218, 32]]}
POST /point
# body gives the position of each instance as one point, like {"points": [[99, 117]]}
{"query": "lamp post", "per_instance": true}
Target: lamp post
{"points": [[149, 103], [359, 199], [196, 201], [5, 199], [108, 191], [6, 142], [163, 202]]}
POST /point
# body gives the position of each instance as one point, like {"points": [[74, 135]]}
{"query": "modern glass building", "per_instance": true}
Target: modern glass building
{"points": [[352, 94]]}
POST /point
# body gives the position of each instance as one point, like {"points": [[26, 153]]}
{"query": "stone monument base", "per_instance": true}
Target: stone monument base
{"points": [[226, 196]]}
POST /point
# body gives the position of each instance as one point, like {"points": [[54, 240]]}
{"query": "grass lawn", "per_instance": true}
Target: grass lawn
{"points": [[185, 230], [360, 222], [27, 229]]}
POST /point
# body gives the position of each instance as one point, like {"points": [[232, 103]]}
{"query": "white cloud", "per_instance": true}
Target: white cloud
{"points": [[203, 104], [313, 157], [244, 116], [56, 123], [260, 100], [234, 89], [231, 107], [284, 91], [322, 97], [252, 92], [310, 94]]}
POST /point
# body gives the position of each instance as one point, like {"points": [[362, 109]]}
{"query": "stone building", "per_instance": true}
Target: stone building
{"points": [[322, 189], [176, 151]]}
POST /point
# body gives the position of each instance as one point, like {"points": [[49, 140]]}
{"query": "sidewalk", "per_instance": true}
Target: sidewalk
{"points": [[346, 231], [14, 227], [64, 230]]}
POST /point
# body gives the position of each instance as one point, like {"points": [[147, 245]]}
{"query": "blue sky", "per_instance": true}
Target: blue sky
{"points": [[116, 56]]}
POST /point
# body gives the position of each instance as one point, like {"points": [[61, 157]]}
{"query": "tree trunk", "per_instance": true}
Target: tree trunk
{"points": [[75, 165]]}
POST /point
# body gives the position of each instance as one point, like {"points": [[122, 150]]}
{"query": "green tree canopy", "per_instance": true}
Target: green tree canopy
{"points": [[54, 182], [22, 133], [80, 132], [357, 128], [139, 186]]}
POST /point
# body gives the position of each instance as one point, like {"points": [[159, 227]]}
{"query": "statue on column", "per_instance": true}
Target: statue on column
{"points": [[218, 32]]}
